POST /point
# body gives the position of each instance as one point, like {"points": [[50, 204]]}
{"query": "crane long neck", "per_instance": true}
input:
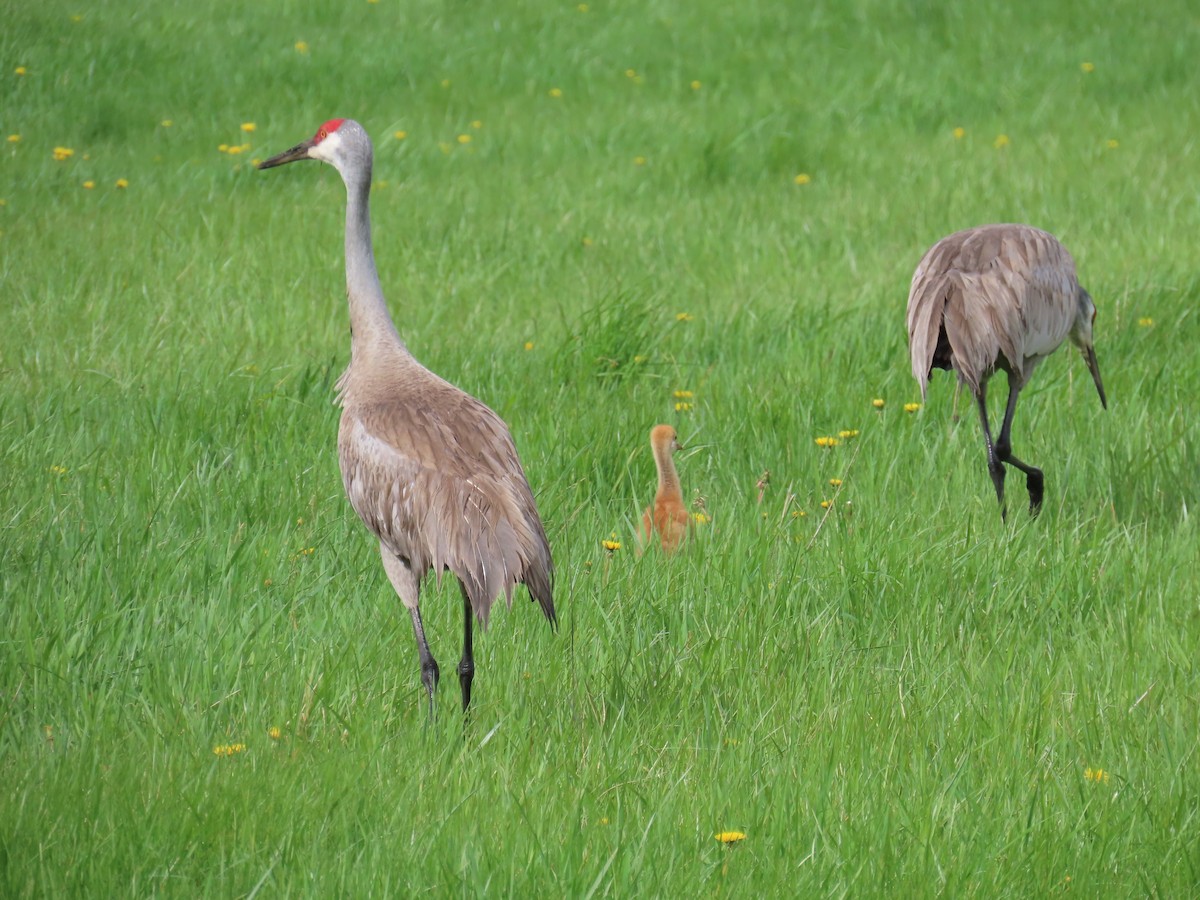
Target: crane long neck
{"points": [[369, 318], [668, 478]]}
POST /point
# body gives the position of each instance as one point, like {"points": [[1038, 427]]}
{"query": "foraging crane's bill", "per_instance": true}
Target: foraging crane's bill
{"points": [[668, 517], [431, 471], [998, 297]]}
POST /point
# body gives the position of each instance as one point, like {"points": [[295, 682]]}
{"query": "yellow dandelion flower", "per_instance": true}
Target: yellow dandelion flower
{"points": [[464, 139], [835, 482], [802, 178], [730, 837], [222, 148], [847, 433], [58, 470], [274, 733], [610, 545], [826, 441], [630, 73], [556, 93], [701, 518], [638, 359], [122, 183], [1097, 775], [529, 345], [683, 395], [399, 135], [911, 407], [235, 149], [248, 127], [1001, 141], [89, 184], [1113, 144], [683, 317], [639, 160], [798, 514], [1146, 322], [696, 85], [682, 406], [825, 504], [959, 133], [20, 70], [63, 153], [877, 403], [267, 582], [301, 46], [166, 123], [476, 124], [587, 242], [77, 18], [1087, 67], [228, 749], [583, 7], [14, 138], [604, 820], [445, 146]]}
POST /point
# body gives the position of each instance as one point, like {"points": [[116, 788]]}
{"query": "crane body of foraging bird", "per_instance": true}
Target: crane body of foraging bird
{"points": [[430, 470], [998, 297], [668, 517]]}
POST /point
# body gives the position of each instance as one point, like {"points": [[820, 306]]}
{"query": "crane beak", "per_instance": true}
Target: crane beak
{"points": [[1090, 355], [300, 151]]}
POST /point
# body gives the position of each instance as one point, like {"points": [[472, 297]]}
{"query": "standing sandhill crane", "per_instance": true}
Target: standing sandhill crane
{"points": [[668, 516], [998, 297], [431, 471]]}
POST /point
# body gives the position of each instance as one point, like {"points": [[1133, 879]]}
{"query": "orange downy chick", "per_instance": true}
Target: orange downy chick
{"points": [[668, 516]]}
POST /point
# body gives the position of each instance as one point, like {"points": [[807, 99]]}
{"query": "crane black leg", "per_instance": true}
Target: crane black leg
{"points": [[408, 587], [466, 666], [995, 467], [1034, 480], [429, 666]]}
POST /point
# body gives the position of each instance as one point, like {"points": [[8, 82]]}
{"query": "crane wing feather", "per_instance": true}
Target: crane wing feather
{"points": [[439, 481], [1003, 294]]}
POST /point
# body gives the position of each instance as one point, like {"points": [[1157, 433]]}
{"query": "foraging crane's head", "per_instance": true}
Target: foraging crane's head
{"points": [[1081, 337], [663, 437], [342, 143]]}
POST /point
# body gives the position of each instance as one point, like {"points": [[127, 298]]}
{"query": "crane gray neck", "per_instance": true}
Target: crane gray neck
{"points": [[370, 322]]}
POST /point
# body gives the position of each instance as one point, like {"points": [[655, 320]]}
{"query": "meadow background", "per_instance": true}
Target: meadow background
{"points": [[207, 686]]}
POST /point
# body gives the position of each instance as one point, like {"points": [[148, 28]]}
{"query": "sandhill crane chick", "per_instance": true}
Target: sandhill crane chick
{"points": [[668, 516], [430, 470], [998, 297]]}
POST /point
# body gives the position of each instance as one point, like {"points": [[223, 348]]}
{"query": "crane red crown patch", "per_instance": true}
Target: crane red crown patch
{"points": [[328, 128]]}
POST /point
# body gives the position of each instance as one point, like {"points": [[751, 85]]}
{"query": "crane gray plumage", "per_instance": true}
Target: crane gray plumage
{"points": [[998, 297], [430, 470]]}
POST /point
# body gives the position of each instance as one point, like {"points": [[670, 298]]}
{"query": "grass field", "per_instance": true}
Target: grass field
{"points": [[207, 686]]}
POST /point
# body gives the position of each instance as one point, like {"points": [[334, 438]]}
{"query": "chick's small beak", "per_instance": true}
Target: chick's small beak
{"points": [[1090, 355], [300, 151]]}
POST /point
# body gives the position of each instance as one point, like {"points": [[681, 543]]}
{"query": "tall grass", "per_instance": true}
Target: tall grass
{"points": [[899, 694]]}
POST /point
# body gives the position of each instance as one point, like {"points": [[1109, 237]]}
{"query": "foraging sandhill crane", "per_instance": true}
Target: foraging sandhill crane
{"points": [[998, 297], [430, 470], [668, 516]]}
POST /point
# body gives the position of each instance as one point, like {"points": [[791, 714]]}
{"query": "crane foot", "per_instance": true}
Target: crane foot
{"points": [[1036, 484]]}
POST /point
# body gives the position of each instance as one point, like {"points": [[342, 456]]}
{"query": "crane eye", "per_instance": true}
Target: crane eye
{"points": [[322, 134]]}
